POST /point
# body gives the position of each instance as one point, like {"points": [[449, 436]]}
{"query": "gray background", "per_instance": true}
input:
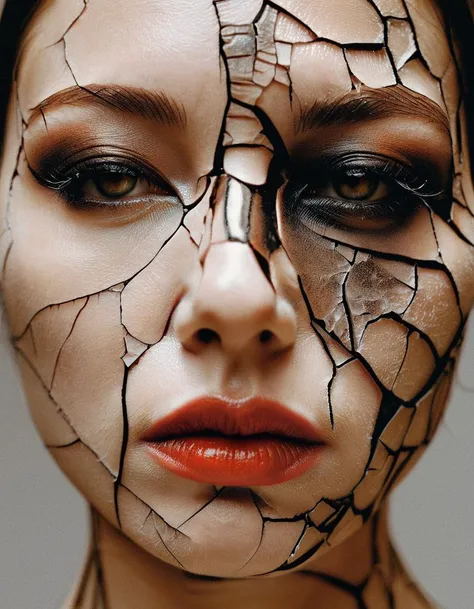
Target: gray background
{"points": [[43, 519]]}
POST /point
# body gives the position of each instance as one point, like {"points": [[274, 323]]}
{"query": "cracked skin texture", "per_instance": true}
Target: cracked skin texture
{"points": [[242, 103]]}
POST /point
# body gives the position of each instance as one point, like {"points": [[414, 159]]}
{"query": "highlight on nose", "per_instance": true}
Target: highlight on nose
{"points": [[234, 306]]}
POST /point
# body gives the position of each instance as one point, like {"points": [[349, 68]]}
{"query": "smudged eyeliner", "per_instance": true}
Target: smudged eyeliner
{"points": [[409, 188]]}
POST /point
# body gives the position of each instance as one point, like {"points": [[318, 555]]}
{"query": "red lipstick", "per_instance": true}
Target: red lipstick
{"points": [[254, 442]]}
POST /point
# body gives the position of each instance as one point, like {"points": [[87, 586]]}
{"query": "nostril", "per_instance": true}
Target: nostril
{"points": [[265, 336], [207, 336]]}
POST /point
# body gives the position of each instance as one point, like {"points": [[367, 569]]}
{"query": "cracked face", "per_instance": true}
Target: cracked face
{"points": [[237, 199]]}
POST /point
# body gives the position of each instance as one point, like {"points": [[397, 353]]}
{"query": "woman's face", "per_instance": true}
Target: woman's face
{"points": [[255, 208]]}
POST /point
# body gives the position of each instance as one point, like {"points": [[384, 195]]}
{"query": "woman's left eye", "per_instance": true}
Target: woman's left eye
{"points": [[355, 185], [371, 199]]}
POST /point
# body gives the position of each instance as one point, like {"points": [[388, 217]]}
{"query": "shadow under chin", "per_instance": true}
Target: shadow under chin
{"points": [[207, 578]]}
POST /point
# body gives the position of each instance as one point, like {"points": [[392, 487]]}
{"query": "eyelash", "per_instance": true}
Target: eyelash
{"points": [[408, 192], [407, 189], [67, 182]]}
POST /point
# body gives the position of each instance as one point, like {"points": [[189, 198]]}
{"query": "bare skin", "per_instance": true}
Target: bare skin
{"points": [[251, 199], [364, 571]]}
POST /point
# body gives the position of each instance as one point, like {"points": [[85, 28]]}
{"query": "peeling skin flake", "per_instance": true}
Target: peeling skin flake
{"points": [[401, 41], [372, 68], [95, 314]]}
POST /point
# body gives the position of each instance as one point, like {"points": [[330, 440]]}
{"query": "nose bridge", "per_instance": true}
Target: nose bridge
{"points": [[235, 298], [233, 284], [232, 205], [245, 214], [235, 264], [234, 301]]}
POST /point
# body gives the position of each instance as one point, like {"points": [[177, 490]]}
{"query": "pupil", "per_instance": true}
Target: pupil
{"points": [[111, 185]]}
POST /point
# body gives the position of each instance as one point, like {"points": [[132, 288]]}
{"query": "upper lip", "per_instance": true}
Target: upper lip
{"points": [[215, 415]]}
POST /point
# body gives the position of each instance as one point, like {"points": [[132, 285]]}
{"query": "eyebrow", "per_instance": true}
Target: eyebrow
{"points": [[154, 105], [372, 104]]}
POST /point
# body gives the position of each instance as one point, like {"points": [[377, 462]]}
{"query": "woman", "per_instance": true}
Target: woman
{"points": [[237, 256]]}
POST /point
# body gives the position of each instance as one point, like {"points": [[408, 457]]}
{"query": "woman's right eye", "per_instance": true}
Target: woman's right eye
{"points": [[111, 187], [105, 184]]}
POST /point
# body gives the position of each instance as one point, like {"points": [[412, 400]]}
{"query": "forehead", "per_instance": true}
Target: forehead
{"points": [[175, 46], [147, 43]]}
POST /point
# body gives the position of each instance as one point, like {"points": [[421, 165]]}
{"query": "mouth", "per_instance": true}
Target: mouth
{"points": [[255, 442]]}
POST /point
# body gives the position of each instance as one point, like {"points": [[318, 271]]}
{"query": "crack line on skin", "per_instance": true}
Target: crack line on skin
{"points": [[347, 361], [419, 55], [396, 473], [411, 328], [262, 533], [43, 384], [298, 542], [15, 174], [73, 23], [174, 529], [269, 129], [297, 518], [286, 566], [331, 380], [220, 149], [453, 226], [216, 495], [415, 292], [326, 349], [123, 448], [33, 341], [152, 513], [346, 46], [422, 263], [460, 80], [102, 594], [97, 292], [113, 476], [407, 347], [363, 46], [5, 260], [44, 120], [191, 206], [321, 323], [60, 446], [65, 341], [347, 309], [340, 584], [446, 269]]}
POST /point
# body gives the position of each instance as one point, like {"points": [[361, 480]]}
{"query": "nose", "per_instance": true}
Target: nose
{"points": [[234, 306]]}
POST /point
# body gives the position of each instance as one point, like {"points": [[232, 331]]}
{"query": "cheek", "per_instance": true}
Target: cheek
{"points": [[72, 285], [397, 300], [75, 352], [395, 304], [59, 254]]}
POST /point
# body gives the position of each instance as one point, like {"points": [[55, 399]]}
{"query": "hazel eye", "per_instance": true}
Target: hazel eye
{"points": [[358, 186], [108, 186], [112, 185]]}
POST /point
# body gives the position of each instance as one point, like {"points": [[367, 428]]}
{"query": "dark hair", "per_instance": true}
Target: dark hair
{"points": [[458, 15], [15, 17]]}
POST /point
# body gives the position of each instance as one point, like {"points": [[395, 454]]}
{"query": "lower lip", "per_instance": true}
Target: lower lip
{"points": [[235, 461]]}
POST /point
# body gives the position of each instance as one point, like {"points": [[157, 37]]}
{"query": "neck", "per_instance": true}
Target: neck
{"points": [[364, 572]]}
